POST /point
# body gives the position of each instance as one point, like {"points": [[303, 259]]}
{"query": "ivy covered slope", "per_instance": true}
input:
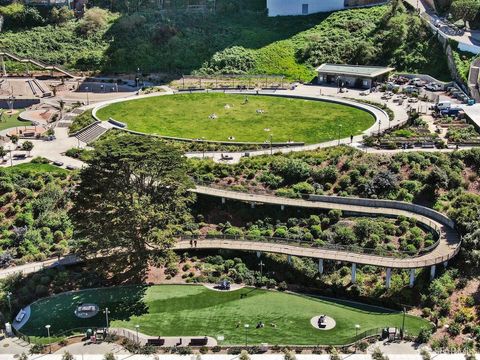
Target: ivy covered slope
{"points": [[249, 42]]}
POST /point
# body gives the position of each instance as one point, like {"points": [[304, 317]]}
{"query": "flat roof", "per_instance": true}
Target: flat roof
{"points": [[354, 70]]}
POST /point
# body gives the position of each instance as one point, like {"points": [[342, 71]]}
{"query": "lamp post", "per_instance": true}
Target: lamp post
{"points": [[136, 328], [9, 294], [271, 139], [379, 124], [203, 147], [88, 100], [261, 268], [246, 326], [48, 334], [356, 335], [106, 312], [339, 127], [356, 330], [403, 321]]}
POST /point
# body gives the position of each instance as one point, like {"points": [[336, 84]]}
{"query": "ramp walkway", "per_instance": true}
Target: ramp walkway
{"points": [[446, 248]]}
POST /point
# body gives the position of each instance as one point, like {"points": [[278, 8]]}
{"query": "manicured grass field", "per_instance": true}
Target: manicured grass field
{"points": [[173, 310], [187, 116], [8, 122], [33, 167]]}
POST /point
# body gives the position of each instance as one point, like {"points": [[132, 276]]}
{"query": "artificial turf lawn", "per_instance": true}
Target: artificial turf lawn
{"points": [[187, 116], [174, 310]]}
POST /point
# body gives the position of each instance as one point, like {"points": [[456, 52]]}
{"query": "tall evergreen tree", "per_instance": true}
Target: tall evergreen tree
{"points": [[132, 194]]}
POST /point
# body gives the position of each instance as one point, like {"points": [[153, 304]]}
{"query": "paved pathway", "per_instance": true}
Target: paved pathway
{"points": [[447, 248], [170, 341], [52, 150], [84, 348]]}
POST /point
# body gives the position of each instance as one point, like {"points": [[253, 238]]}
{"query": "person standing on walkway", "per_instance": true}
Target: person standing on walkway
{"points": [[195, 243]]}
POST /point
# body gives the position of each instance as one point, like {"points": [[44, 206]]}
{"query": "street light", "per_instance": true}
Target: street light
{"points": [[246, 326], [339, 127], [261, 267], [271, 136], [88, 100], [403, 321], [9, 294], [203, 147], [106, 312], [356, 329], [48, 334], [136, 327]]}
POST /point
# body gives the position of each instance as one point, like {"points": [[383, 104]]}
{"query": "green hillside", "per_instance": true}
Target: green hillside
{"points": [[237, 38]]}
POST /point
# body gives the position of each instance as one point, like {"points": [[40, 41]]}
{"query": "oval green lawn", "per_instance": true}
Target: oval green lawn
{"points": [[187, 116], [175, 310]]}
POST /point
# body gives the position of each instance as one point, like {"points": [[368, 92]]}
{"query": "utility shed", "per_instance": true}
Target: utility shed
{"points": [[357, 76]]}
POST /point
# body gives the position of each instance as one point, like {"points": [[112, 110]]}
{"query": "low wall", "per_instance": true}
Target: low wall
{"points": [[391, 204], [19, 103]]}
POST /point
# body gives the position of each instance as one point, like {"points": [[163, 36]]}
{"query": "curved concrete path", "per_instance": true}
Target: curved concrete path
{"points": [[448, 245]]}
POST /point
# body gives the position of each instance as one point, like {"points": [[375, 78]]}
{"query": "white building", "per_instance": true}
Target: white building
{"points": [[305, 7], [302, 7]]}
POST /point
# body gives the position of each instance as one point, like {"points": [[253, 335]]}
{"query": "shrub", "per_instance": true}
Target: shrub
{"points": [[67, 356], [109, 356], [424, 335], [244, 355], [94, 20], [454, 329], [282, 286]]}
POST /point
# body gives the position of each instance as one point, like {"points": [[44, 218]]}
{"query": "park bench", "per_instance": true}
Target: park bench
{"points": [[156, 342], [198, 341]]}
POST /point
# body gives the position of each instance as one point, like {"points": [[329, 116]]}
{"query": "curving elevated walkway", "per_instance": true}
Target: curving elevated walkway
{"points": [[447, 246]]}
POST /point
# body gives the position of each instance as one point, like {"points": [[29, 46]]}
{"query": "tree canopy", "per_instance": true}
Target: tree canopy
{"points": [[132, 194]]}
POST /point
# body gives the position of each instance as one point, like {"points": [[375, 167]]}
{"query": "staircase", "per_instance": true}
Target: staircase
{"points": [[36, 63], [92, 132]]}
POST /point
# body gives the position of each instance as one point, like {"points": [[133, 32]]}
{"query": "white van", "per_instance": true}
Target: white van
{"points": [[444, 105]]}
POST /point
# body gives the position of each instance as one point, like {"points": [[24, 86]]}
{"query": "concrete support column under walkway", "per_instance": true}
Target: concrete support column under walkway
{"points": [[354, 273], [432, 272], [389, 277], [412, 278], [289, 259], [320, 266], [223, 200]]}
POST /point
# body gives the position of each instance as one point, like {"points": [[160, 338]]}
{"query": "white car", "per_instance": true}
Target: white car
{"points": [[434, 87]]}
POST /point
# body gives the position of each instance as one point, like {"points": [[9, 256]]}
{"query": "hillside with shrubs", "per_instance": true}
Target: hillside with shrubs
{"points": [[173, 42]]}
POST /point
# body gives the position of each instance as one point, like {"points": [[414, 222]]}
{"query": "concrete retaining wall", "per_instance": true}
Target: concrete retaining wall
{"points": [[418, 209]]}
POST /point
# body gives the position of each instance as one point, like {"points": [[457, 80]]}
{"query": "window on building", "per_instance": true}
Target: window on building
{"points": [[304, 9]]}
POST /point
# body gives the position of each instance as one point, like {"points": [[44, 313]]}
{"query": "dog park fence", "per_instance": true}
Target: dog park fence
{"points": [[63, 336]]}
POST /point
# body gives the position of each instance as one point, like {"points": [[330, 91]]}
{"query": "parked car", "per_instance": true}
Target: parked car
{"points": [[410, 89], [434, 86], [71, 167], [58, 163]]}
